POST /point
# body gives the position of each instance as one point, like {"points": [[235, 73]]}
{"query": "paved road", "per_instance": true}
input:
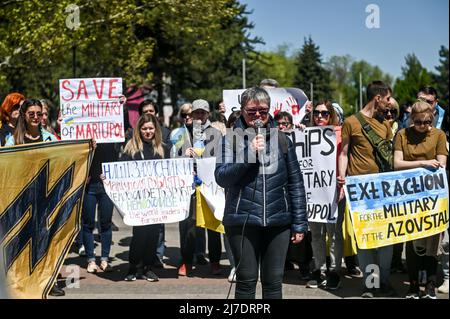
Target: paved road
{"points": [[202, 286]]}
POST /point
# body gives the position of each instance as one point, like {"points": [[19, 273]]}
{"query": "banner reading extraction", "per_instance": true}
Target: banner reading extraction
{"points": [[151, 191], [91, 109], [396, 207]]}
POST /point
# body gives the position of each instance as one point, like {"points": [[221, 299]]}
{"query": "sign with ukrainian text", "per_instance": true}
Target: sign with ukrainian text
{"points": [[150, 191], [91, 109], [316, 153], [42, 188], [396, 207], [291, 100]]}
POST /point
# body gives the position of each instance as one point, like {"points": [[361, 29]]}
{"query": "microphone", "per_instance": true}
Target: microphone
{"points": [[259, 125]]}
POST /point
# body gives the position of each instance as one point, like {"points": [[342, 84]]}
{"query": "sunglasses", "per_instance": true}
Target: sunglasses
{"points": [[262, 112], [184, 115], [387, 111], [322, 113], [283, 123], [34, 114], [420, 123]]}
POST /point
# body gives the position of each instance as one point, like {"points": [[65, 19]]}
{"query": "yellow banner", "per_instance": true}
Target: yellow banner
{"points": [[42, 187], [399, 206], [204, 216]]}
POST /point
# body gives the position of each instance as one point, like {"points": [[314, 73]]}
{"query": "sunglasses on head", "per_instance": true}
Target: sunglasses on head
{"points": [[420, 123], [322, 113], [262, 112]]}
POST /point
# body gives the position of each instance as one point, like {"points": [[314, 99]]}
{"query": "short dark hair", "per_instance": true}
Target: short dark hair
{"points": [[428, 90], [282, 115], [145, 103], [377, 88]]}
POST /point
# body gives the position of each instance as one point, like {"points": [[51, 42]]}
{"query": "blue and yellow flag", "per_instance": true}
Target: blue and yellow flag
{"points": [[204, 216], [41, 191]]}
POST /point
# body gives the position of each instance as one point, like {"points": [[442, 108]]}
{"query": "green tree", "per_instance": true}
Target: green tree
{"points": [[441, 78], [311, 70], [274, 65], [414, 76]]}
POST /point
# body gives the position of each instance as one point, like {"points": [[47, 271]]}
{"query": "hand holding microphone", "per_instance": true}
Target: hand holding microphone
{"points": [[259, 142]]}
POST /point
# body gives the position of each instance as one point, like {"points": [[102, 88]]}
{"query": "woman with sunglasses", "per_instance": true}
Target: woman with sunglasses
{"points": [[323, 114], [421, 145], [29, 129]]}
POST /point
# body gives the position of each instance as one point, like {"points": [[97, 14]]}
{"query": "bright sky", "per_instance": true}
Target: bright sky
{"points": [[338, 27]]}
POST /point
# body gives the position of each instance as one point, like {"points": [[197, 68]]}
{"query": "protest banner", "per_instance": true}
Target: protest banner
{"points": [[316, 152], [211, 191], [42, 186], [291, 100], [150, 191], [91, 109], [396, 207]]}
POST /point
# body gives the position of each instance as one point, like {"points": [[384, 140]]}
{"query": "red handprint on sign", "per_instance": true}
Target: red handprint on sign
{"points": [[277, 108], [294, 105]]}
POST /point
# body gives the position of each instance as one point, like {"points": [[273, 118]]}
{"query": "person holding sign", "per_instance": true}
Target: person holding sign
{"points": [[201, 141], [421, 146], [323, 114], [357, 157], [265, 204], [146, 144]]}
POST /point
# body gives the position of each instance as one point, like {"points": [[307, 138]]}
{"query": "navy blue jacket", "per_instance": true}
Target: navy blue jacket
{"points": [[275, 198]]}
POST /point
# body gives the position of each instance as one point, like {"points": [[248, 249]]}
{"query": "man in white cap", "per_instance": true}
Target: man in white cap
{"points": [[203, 140]]}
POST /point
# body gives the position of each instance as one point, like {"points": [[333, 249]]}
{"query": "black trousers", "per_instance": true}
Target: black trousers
{"points": [[415, 263], [264, 247], [188, 234], [143, 245]]}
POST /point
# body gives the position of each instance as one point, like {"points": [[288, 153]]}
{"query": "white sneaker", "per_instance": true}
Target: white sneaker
{"points": [[92, 267], [82, 251], [443, 289], [232, 275]]}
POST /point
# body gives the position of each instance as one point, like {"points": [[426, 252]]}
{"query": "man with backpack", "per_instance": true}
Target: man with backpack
{"points": [[366, 149]]}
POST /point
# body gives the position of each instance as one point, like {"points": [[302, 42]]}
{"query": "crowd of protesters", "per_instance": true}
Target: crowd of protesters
{"points": [[265, 210]]}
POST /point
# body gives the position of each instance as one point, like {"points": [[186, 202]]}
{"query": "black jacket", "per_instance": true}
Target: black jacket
{"points": [[275, 198]]}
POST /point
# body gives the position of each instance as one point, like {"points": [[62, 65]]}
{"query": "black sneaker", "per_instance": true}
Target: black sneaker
{"points": [[130, 277], [305, 274], [430, 291], [201, 259], [56, 291], [386, 290], [368, 293], [333, 280], [151, 276], [354, 272], [317, 280], [413, 292]]}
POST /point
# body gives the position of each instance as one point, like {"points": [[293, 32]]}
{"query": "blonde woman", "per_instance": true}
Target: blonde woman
{"points": [[421, 145], [146, 144]]}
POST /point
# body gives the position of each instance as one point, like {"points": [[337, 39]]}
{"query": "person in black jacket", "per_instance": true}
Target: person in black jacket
{"points": [[265, 203], [146, 144]]}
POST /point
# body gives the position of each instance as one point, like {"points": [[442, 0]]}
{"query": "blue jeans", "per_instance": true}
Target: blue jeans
{"points": [[265, 246], [160, 248], [381, 257], [95, 194]]}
